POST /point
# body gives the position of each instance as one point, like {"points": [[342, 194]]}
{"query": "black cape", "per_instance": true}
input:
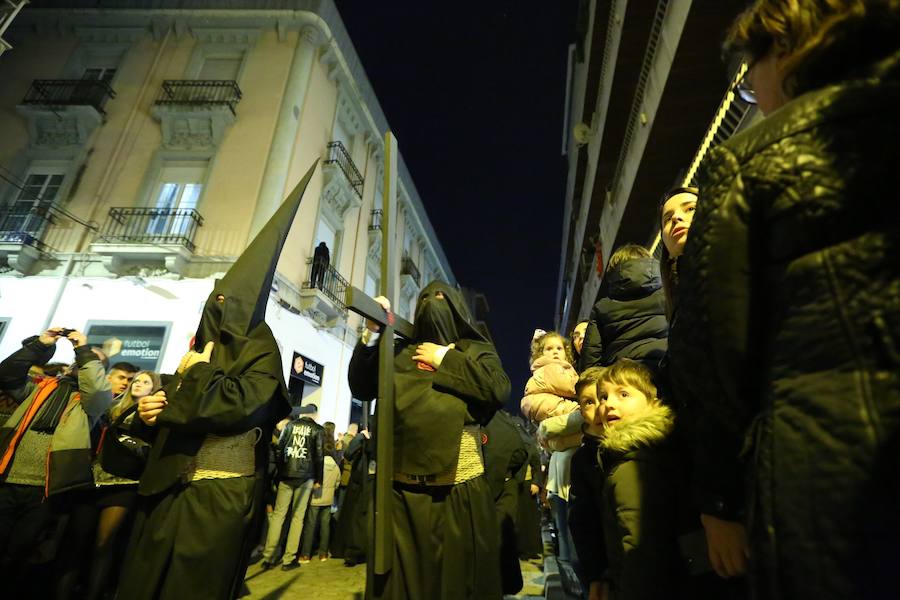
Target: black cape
{"points": [[446, 537], [193, 537]]}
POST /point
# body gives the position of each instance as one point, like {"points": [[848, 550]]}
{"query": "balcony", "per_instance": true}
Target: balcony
{"points": [[339, 158], [141, 235], [323, 295], [194, 114], [199, 93], [21, 231], [56, 93], [64, 112]]}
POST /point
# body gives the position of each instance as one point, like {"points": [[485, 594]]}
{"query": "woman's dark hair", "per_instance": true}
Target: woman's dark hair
{"points": [[822, 41], [668, 267]]}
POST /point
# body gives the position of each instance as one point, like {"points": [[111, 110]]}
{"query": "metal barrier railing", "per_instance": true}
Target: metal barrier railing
{"points": [[200, 92], [324, 277], [131, 225], [338, 155], [52, 93]]}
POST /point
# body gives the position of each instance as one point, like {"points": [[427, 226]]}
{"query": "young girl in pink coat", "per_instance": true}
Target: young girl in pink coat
{"points": [[550, 392]]}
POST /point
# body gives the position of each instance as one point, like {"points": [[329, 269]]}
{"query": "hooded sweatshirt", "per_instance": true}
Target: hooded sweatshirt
{"points": [[630, 322]]}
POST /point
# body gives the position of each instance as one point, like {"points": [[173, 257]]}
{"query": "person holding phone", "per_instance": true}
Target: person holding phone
{"points": [[45, 446]]}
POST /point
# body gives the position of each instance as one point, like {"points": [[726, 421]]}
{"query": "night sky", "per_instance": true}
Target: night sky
{"points": [[475, 94]]}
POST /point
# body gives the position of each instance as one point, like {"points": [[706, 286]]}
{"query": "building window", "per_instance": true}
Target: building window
{"points": [[330, 235], [342, 134], [96, 62], [220, 68], [177, 190], [371, 285], [104, 74], [41, 187]]}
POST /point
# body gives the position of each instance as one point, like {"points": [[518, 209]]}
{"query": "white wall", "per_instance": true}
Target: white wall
{"points": [[27, 301]]}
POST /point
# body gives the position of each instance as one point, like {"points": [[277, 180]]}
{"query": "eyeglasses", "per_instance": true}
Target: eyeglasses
{"points": [[744, 90]]}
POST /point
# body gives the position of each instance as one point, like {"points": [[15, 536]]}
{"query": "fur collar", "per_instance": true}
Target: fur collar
{"points": [[640, 431]]}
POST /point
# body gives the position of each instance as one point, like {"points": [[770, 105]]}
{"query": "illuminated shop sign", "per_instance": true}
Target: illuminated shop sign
{"points": [[139, 343], [306, 369]]}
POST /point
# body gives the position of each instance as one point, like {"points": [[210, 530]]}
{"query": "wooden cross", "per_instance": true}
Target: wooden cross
{"points": [[381, 543]]}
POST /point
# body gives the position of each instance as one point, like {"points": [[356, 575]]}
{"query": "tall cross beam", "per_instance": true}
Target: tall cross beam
{"points": [[381, 543]]}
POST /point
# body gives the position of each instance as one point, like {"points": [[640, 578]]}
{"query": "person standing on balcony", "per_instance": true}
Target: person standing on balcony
{"points": [[321, 261]]}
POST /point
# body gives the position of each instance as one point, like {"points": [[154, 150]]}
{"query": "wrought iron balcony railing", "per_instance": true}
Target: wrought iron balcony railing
{"points": [[198, 92], [129, 225], [375, 220], [338, 155], [326, 278], [52, 93], [25, 227], [408, 267]]}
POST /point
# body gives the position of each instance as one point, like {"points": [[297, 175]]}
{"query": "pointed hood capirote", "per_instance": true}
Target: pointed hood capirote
{"points": [[237, 304], [205, 401]]}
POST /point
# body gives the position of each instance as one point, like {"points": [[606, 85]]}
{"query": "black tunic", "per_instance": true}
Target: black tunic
{"points": [[447, 541], [195, 536]]}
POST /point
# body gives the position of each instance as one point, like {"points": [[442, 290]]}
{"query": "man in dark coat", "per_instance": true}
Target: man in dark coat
{"points": [[321, 260], [448, 382], [785, 339], [205, 477], [300, 457], [629, 322]]}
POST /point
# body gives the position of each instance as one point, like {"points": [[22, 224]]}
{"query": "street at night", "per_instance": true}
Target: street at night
{"points": [[331, 299]]}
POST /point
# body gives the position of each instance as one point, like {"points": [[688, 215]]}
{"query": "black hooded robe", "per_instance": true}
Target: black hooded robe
{"points": [[446, 537], [193, 539]]}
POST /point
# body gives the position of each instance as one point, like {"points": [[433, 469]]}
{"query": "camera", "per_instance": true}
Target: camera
{"points": [[65, 331]]}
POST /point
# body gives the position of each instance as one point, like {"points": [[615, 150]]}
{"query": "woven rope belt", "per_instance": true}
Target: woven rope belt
{"points": [[224, 457], [469, 463]]}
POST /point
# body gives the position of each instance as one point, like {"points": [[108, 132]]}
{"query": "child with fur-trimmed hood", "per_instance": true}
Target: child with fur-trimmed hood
{"points": [[550, 391], [633, 473]]}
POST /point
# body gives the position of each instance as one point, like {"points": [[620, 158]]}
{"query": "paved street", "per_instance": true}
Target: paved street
{"points": [[331, 580]]}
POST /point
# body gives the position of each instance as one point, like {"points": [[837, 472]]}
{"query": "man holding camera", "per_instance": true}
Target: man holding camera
{"points": [[45, 446]]}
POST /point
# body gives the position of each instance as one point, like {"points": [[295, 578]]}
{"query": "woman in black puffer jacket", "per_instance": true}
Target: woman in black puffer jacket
{"points": [[787, 325], [630, 321]]}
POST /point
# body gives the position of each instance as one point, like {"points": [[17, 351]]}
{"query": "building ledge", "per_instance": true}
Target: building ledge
{"points": [[321, 309], [120, 258], [20, 257]]}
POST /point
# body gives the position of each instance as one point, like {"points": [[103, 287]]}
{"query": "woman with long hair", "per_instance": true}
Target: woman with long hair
{"points": [[115, 496]]}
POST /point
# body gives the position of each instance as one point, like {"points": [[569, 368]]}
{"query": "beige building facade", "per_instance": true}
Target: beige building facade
{"points": [[142, 147]]}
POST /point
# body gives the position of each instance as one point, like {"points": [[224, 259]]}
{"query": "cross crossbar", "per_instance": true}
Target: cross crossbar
{"points": [[360, 303]]}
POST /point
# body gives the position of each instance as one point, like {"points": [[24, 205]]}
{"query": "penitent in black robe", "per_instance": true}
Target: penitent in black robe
{"points": [[193, 539], [446, 537]]}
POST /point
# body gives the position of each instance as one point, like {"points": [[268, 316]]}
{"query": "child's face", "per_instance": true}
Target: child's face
{"points": [[553, 347], [590, 409], [618, 401]]}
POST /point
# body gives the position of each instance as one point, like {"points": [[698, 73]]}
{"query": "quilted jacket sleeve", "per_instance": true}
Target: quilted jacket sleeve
{"points": [[710, 336]]}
